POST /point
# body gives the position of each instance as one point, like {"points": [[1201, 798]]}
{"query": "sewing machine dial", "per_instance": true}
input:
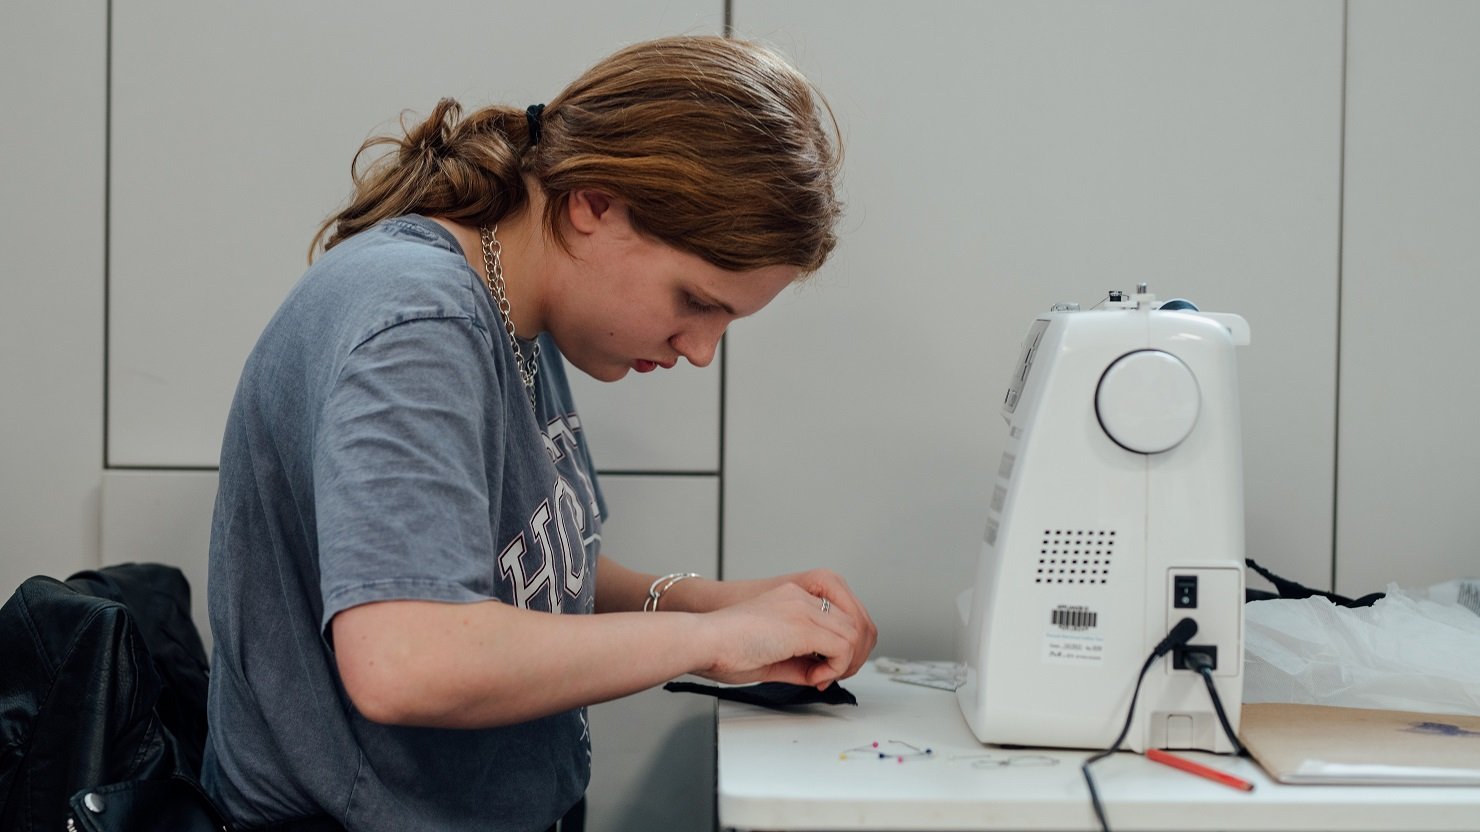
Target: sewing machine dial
{"points": [[1147, 401]]}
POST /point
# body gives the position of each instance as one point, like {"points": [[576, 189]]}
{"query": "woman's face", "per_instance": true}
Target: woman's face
{"points": [[627, 302]]}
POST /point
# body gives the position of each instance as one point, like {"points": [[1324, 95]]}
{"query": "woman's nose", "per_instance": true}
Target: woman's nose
{"points": [[698, 344]]}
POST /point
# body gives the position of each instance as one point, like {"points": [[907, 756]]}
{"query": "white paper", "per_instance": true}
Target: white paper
{"points": [[1317, 771]]}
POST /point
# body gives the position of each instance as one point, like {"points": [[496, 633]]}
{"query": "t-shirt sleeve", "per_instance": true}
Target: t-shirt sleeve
{"points": [[400, 469]]}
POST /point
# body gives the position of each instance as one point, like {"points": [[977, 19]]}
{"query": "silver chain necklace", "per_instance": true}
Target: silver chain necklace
{"points": [[493, 276]]}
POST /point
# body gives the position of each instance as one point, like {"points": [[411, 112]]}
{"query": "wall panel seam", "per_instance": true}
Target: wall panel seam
{"points": [[1340, 304], [107, 209], [728, 28]]}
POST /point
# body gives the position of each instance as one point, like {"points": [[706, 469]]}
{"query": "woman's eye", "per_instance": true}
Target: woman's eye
{"points": [[699, 305]]}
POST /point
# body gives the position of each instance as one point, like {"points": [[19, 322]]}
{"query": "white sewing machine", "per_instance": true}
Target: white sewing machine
{"points": [[1118, 510]]}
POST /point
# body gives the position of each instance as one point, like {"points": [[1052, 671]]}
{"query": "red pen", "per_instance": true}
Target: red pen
{"points": [[1199, 769]]}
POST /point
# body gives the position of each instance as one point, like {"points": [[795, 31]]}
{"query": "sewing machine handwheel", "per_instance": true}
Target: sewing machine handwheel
{"points": [[1147, 401]]}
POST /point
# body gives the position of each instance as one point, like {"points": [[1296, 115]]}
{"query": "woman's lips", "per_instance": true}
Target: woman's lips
{"points": [[642, 365]]}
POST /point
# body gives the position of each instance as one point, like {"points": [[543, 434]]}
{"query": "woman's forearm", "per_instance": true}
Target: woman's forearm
{"points": [[619, 589], [485, 664]]}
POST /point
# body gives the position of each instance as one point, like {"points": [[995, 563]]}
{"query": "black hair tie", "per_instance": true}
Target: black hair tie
{"points": [[532, 114]]}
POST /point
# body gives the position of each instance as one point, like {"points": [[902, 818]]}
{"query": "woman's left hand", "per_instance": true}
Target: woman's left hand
{"points": [[823, 583], [829, 585], [702, 595]]}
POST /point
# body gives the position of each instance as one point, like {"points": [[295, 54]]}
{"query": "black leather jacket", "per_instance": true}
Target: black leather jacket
{"points": [[102, 680]]}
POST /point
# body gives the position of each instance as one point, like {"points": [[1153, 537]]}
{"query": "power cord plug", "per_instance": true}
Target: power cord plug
{"points": [[1195, 657], [1203, 660], [1181, 633]]}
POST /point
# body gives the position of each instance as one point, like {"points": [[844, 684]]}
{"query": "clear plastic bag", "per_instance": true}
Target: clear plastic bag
{"points": [[1405, 652]]}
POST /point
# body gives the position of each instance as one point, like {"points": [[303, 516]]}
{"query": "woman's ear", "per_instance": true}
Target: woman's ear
{"points": [[588, 209]]}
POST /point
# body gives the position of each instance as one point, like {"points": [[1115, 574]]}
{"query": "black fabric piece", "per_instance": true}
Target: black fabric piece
{"points": [[1291, 589], [775, 695], [533, 115]]}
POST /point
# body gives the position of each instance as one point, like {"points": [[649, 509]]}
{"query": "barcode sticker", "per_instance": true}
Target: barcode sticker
{"points": [[1073, 637], [1074, 618]]}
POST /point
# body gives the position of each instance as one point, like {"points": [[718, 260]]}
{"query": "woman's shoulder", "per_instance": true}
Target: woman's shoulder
{"points": [[405, 250], [401, 269]]}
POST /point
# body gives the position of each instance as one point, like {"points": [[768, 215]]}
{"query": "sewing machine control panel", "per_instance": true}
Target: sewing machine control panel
{"points": [[1024, 364], [1213, 597]]}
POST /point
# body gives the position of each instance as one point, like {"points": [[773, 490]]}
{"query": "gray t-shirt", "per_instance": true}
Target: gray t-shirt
{"points": [[382, 446]]}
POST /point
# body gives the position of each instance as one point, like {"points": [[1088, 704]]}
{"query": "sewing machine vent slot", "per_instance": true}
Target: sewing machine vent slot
{"points": [[1075, 556]]}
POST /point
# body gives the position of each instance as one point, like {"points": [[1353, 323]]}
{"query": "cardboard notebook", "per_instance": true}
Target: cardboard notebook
{"points": [[1318, 744]]}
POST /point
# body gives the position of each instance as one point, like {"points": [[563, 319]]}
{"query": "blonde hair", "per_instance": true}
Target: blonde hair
{"points": [[718, 147]]}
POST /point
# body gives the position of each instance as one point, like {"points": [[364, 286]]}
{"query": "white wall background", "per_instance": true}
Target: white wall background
{"points": [[1312, 166], [1410, 393], [53, 147]]}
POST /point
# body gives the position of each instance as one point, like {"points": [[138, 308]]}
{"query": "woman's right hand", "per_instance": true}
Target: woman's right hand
{"points": [[781, 635]]}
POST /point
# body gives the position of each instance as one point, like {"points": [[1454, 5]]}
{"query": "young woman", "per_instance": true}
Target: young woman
{"points": [[406, 495]]}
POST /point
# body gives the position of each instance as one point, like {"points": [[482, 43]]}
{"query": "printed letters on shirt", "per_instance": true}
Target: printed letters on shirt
{"points": [[559, 525]]}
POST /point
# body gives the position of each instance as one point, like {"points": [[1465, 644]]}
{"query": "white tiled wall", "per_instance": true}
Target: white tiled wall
{"points": [[52, 151], [233, 127], [1410, 390]]}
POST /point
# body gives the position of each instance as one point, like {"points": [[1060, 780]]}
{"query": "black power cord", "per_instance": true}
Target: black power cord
{"points": [[1177, 637], [1203, 663]]}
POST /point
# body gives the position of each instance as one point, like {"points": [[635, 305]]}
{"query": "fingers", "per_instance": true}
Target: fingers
{"points": [[799, 672], [821, 676], [825, 642], [831, 586], [839, 636]]}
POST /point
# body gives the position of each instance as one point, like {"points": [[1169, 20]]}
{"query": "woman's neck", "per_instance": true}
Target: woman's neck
{"points": [[522, 256]]}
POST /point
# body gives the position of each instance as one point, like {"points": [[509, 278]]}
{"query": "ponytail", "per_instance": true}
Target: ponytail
{"points": [[465, 169], [718, 147]]}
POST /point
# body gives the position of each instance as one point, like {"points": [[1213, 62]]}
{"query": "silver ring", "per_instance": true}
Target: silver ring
{"points": [[826, 605]]}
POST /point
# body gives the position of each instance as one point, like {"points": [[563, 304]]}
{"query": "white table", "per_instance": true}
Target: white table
{"points": [[796, 771]]}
